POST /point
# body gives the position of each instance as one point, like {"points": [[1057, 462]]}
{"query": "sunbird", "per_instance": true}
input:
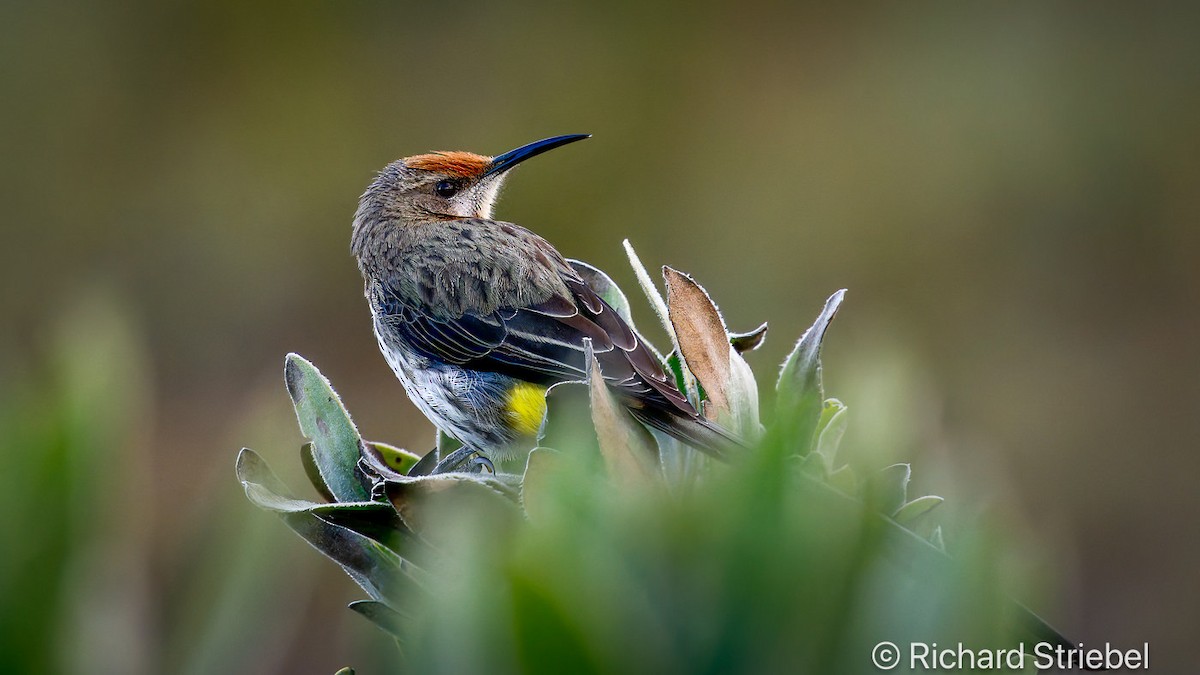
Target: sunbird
{"points": [[479, 317]]}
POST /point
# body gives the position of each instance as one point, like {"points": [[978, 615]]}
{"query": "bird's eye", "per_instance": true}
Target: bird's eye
{"points": [[446, 189]]}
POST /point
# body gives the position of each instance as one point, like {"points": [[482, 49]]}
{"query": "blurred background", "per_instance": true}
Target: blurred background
{"points": [[1007, 191]]}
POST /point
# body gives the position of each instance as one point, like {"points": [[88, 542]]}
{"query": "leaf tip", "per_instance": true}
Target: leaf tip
{"points": [[833, 303], [291, 373], [748, 342], [245, 459]]}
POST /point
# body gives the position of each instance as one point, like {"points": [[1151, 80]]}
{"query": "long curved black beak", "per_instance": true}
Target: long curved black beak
{"points": [[502, 163]]}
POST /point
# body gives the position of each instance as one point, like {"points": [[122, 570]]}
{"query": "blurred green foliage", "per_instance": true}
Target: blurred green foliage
{"points": [[78, 472], [603, 557], [72, 470], [725, 578]]}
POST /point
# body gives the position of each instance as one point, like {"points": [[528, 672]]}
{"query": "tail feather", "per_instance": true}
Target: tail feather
{"points": [[698, 432]]}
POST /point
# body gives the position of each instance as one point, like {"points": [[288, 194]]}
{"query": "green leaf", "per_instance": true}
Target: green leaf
{"points": [[890, 488], [314, 473], [844, 479], [397, 459], [374, 520], [253, 469], [908, 513], [800, 390], [743, 391], [937, 540], [382, 615], [656, 300], [323, 419], [813, 466], [345, 671], [419, 500], [380, 571], [680, 463], [748, 342], [684, 381], [830, 429]]}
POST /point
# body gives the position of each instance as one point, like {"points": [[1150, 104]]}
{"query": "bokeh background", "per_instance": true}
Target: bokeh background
{"points": [[1008, 190]]}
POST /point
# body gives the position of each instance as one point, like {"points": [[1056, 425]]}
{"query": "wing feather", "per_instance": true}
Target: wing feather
{"points": [[540, 343]]}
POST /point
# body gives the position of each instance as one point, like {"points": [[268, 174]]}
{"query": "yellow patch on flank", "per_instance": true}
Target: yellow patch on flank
{"points": [[525, 405], [465, 164]]}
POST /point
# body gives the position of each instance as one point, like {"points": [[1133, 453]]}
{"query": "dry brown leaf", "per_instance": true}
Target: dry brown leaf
{"points": [[703, 340]]}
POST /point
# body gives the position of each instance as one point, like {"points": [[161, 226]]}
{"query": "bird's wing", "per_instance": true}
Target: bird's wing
{"points": [[542, 342], [493, 296]]}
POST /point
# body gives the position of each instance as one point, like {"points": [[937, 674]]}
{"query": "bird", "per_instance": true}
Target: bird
{"points": [[479, 317]]}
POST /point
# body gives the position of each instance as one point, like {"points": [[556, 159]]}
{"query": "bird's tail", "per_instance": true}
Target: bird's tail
{"points": [[698, 432]]}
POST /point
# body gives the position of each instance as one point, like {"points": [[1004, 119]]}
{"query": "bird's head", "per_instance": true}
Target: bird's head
{"points": [[445, 185]]}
